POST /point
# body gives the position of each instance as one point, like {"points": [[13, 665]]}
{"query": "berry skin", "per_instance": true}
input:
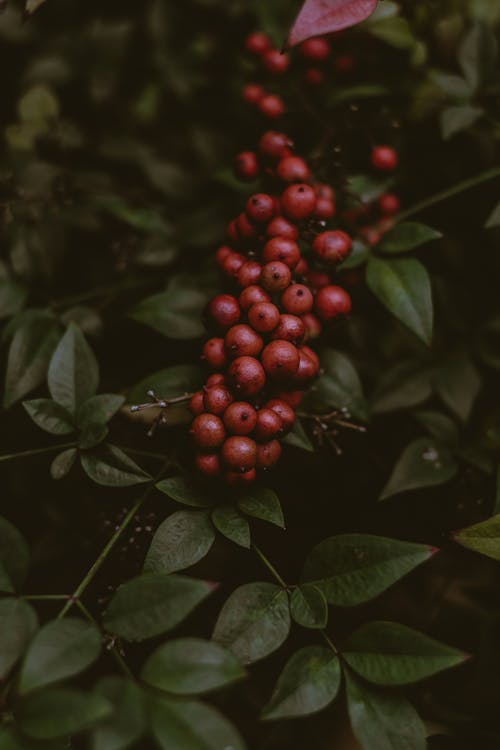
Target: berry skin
{"points": [[297, 299], [208, 431], [243, 341], [284, 411], [224, 310], [208, 464], [293, 398], [268, 425], [293, 169], [240, 418], [290, 328], [273, 145], [311, 354], [251, 295], [279, 248], [249, 273], [332, 302], [237, 480], [214, 353], [217, 378], [221, 254], [196, 405], [317, 49], [247, 376], [280, 360], [308, 366], [276, 62], [384, 158], [314, 77], [217, 399], [276, 276], [281, 227], [252, 93], [246, 166], [260, 208], [257, 43], [332, 247], [298, 201], [247, 232], [389, 204], [232, 232], [317, 279], [239, 453], [271, 106], [264, 317], [313, 326], [268, 454], [344, 63], [325, 209], [232, 264], [302, 268], [324, 191]]}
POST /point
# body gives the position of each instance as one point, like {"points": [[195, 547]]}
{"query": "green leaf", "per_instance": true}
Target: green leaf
{"points": [[353, 568], [407, 236], [309, 682], [309, 607], [387, 653], [395, 31], [359, 254], [38, 106], [99, 409], [191, 725], [457, 119], [191, 666], [111, 467], [299, 438], [61, 648], [367, 188], [455, 86], [50, 416], [381, 720], [73, 374], [184, 491], [10, 740], [232, 525], [33, 5], [153, 604], [12, 298], [477, 54], [18, 623], [404, 288], [439, 426], [423, 463], [168, 383], [180, 541], [14, 557], [403, 386], [494, 218], [63, 463], [57, 712], [482, 537], [458, 383], [127, 724], [264, 504], [339, 386], [92, 435], [254, 621]]}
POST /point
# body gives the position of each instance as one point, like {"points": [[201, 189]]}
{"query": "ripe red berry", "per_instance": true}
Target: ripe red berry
{"points": [[237, 480], [260, 208], [208, 431], [276, 62], [257, 43], [249, 273], [263, 316], [311, 354], [221, 254], [284, 411], [314, 77], [298, 201], [316, 49], [290, 328], [384, 158], [268, 425], [332, 247], [302, 268], [196, 405], [344, 63], [224, 310], [214, 353], [313, 326], [282, 249], [281, 227], [325, 209], [246, 166], [280, 359], [217, 399], [271, 106], [247, 232], [389, 204], [247, 376], [293, 398], [276, 276], [293, 169], [243, 341], [232, 264], [232, 232], [251, 295], [317, 279], [240, 418], [297, 299], [252, 93], [331, 302], [268, 454], [216, 378], [239, 453], [307, 370], [208, 464], [273, 145], [324, 191]]}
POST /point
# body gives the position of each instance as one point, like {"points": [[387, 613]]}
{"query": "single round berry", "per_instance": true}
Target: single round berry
{"points": [[221, 254], [237, 480], [324, 191], [325, 209], [216, 378], [317, 279], [208, 431], [332, 302], [247, 376], [196, 405], [317, 49], [232, 264], [249, 273], [297, 299], [332, 247], [314, 77], [263, 317], [290, 328], [252, 93], [251, 295], [214, 353], [246, 166], [276, 62], [298, 201], [208, 464], [307, 369], [274, 145], [268, 425], [257, 43], [243, 341], [281, 227], [224, 310], [268, 454], [260, 208], [282, 249], [284, 411], [239, 453], [311, 354], [384, 158], [240, 418], [293, 169], [276, 276], [280, 359], [389, 204], [313, 326], [217, 399], [344, 63], [271, 106], [293, 398], [247, 232]]}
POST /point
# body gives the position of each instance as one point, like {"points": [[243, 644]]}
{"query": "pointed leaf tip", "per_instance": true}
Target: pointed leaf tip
{"points": [[318, 17]]}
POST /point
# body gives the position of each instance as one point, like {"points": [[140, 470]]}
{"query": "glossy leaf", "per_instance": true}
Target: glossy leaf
{"points": [[457, 119], [99, 409], [63, 463], [318, 17], [264, 504], [111, 467], [309, 607], [168, 383], [439, 426], [458, 382], [407, 236], [339, 386], [299, 438], [50, 416], [482, 537], [14, 557], [423, 463], [18, 623], [185, 491], [12, 297], [477, 54], [232, 525], [180, 541], [128, 722], [403, 386], [57, 712], [73, 374]]}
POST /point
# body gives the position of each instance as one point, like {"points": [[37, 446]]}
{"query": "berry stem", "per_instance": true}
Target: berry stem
{"points": [[37, 451], [269, 566]]}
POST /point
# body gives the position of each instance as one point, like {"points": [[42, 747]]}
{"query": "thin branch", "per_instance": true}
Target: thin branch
{"points": [[37, 451]]}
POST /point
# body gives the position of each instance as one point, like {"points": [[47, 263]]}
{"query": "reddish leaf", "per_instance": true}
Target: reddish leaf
{"points": [[325, 16]]}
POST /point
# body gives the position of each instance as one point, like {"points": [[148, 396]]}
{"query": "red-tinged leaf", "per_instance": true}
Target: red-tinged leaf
{"points": [[318, 17]]}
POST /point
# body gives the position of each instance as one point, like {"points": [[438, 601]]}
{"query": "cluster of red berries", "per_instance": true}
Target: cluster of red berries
{"points": [[258, 353]]}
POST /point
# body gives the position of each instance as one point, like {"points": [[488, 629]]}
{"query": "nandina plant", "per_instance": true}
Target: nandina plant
{"points": [[250, 331]]}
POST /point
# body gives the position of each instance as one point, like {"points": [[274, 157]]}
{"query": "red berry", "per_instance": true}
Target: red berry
{"points": [[282, 249], [239, 453], [297, 299], [221, 254], [280, 359], [384, 158], [257, 43], [313, 326], [293, 398], [217, 399], [268, 454], [224, 310], [331, 302], [284, 411], [389, 204], [311, 354], [276, 62], [324, 191], [276, 276], [196, 405], [332, 247], [271, 106], [243, 341], [307, 370], [216, 378], [249, 273], [246, 166], [208, 464], [214, 353], [251, 295], [314, 77], [232, 232], [325, 209], [268, 425], [372, 235], [273, 145], [263, 317], [281, 227], [208, 431], [252, 93], [317, 279], [237, 479], [298, 201], [240, 418], [290, 328], [316, 49], [344, 63], [247, 232], [302, 268], [260, 208], [232, 264], [293, 169], [247, 376]]}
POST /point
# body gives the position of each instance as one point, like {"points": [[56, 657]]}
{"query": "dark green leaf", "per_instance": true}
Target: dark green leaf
{"points": [[12, 298], [50, 416], [11, 740], [458, 382], [494, 218], [403, 386], [482, 537], [309, 607], [184, 491], [339, 386], [232, 525], [456, 119], [14, 556], [407, 236], [367, 188], [423, 463], [127, 723], [62, 463], [168, 383], [92, 435], [73, 374], [477, 54], [18, 623], [395, 31], [359, 254], [99, 409], [57, 712], [299, 438], [264, 504], [180, 541], [439, 426], [111, 467]]}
